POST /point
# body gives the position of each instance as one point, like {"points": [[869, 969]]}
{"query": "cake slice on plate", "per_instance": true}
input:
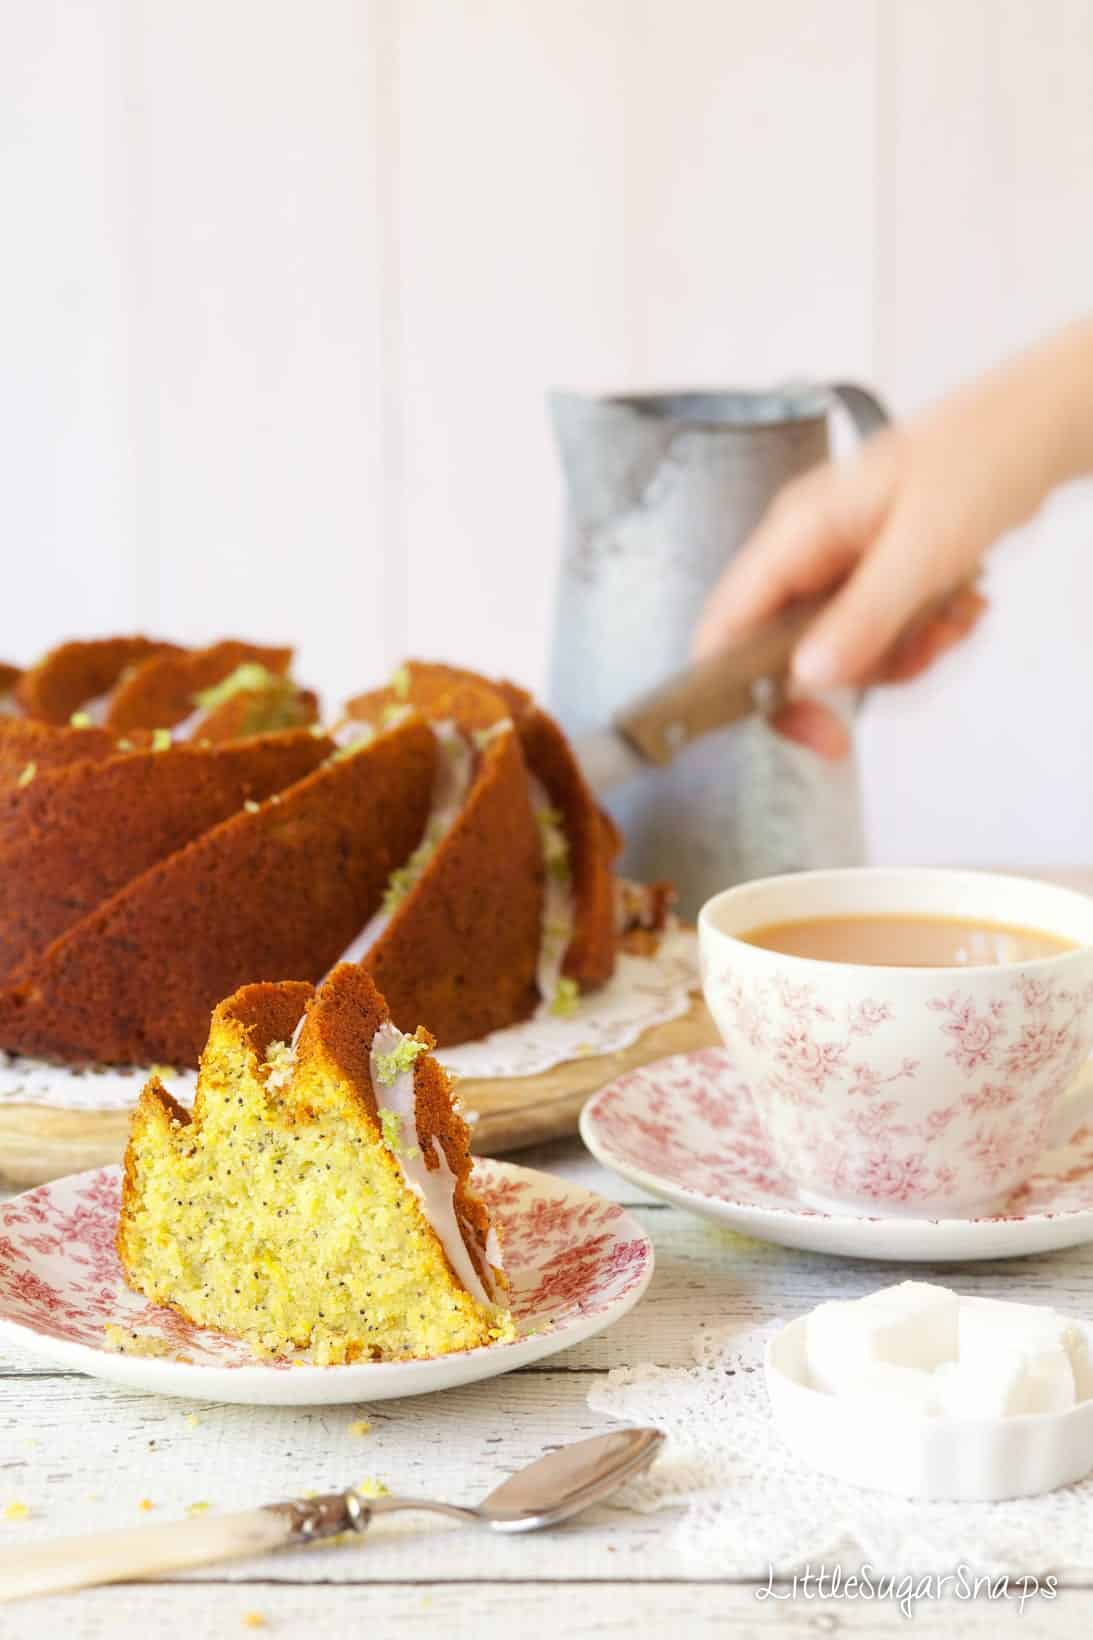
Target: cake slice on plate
{"points": [[319, 1197]]}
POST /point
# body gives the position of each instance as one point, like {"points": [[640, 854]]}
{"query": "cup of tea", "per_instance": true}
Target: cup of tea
{"points": [[912, 1039]]}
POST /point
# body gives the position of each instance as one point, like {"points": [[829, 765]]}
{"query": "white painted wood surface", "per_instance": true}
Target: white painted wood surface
{"points": [[283, 289], [83, 1455]]}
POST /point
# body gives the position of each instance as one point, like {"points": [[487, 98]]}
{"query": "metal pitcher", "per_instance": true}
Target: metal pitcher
{"points": [[662, 489]]}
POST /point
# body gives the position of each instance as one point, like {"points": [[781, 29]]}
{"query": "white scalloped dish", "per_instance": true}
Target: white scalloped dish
{"points": [[980, 1459]]}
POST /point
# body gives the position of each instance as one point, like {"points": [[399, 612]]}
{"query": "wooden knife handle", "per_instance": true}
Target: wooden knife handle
{"points": [[716, 692], [721, 690]]}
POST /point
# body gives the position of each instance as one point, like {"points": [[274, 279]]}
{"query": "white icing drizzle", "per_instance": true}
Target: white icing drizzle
{"points": [[96, 709], [433, 1187], [454, 771], [185, 729], [352, 732], [558, 910]]}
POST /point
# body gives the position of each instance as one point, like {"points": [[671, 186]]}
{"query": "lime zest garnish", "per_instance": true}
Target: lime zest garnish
{"points": [[248, 678], [554, 842], [391, 1126], [404, 878], [483, 737], [394, 713], [251, 806], [161, 740], [566, 998], [400, 682], [81, 720], [27, 774], [390, 1066], [281, 1060]]}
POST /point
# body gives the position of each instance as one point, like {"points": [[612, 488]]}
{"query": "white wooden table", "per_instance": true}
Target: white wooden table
{"points": [[83, 1455]]}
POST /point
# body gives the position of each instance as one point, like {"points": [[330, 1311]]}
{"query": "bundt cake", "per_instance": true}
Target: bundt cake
{"points": [[441, 836], [319, 1196]]}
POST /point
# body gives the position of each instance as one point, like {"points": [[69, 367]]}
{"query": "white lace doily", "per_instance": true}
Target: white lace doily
{"points": [[644, 991], [749, 1505]]}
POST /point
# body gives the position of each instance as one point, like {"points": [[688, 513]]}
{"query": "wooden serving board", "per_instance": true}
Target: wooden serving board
{"points": [[38, 1142]]}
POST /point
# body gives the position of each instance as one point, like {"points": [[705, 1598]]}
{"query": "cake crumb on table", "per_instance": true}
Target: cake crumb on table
{"points": [[198, 1508], [145, 1504], [370, 1487], [16, 1510], [254, 1620], [360, 1426]]}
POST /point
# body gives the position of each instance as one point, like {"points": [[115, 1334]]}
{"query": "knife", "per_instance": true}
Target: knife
{"points": [[652, 730]]}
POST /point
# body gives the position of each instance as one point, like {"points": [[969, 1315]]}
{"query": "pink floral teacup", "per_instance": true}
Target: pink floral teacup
{"points": [[926, 1091]]}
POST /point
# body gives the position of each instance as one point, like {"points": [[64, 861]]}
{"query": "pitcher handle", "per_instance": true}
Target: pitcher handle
{"points": [[863, 407]]}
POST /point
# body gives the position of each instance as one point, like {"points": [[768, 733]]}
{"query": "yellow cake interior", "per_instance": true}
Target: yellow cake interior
{"points": [[280, 1214]]}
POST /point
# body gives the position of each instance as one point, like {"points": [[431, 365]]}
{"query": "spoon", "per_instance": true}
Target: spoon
{"points": [[549, 1490]]}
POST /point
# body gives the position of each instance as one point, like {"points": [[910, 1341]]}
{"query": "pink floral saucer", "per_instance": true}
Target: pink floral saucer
{"points": [[685, 1129], [575, 1261]]}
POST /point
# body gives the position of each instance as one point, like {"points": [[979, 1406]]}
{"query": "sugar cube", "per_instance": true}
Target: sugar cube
{"points": [[911, 1325], [986, 1324], [1007, 1381]]}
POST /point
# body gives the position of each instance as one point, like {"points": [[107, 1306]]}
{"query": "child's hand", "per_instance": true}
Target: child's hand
{"points": [[903, 527]]}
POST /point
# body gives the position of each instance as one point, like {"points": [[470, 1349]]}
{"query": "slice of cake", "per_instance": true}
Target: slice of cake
{"points": [[319, 1198]]}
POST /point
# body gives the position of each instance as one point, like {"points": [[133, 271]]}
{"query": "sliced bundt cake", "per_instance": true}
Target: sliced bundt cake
{"points": [[319, 1197], [171, 844]]}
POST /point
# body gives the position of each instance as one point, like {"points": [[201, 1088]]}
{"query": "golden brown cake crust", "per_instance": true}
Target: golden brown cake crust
{"points": [[160, 694], [26, 744], [73, 836], [275, 894], [462, 949], [593, 838], [74, 673], [343, 1022], [251, 712]]}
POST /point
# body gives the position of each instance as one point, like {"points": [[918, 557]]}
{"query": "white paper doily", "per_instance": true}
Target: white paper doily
{"points": [[644, 991], [750, 1506]]}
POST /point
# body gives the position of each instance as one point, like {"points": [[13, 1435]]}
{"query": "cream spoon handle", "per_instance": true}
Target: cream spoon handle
{"points": [[145, 1551]]}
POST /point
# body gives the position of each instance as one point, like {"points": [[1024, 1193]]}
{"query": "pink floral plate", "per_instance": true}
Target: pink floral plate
{"points": [[575, 1261], [685, 1129]]}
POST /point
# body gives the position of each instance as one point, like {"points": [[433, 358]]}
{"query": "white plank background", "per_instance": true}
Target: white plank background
{"points": [[283, 288]]}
